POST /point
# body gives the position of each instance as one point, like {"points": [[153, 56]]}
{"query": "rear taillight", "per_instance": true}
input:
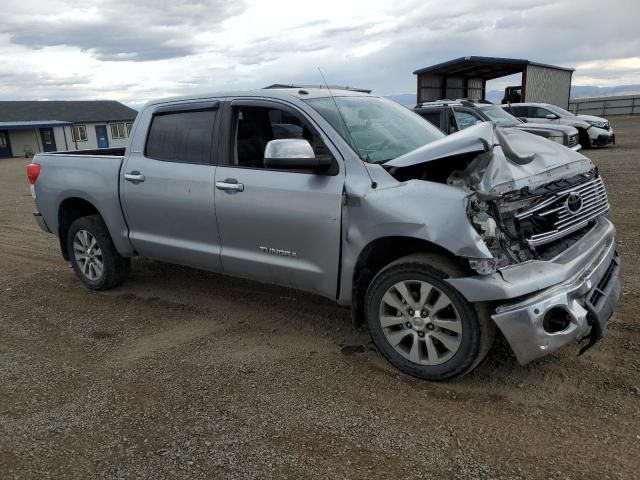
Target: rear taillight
{"points": [[33, 170]]}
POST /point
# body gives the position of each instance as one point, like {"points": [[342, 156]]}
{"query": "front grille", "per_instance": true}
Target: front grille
{"points": [[565, 211], [573, 140]]}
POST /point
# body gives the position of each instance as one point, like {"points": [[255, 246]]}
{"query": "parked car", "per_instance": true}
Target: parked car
{"points": [[594, 131], [453, 116], [433, 240]]}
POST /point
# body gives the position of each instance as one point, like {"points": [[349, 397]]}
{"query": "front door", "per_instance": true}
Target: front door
{"points": [[5, 146], [167, 187], [276, 226], [48, 140], [101, 136]]}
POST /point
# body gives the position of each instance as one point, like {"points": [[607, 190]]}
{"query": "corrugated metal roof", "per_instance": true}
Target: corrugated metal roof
{"points": [[32, 124], [75, 111], [483, 67]]}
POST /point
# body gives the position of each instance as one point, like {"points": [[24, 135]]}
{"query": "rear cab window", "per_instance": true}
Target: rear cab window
{"points": [[182, 134]]}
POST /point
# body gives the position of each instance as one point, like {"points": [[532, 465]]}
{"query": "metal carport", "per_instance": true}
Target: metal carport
{"points": [[466, 77]]}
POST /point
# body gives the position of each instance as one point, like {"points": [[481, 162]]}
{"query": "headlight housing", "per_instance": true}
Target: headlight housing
{"points": [[598, 123], [557, 139]]}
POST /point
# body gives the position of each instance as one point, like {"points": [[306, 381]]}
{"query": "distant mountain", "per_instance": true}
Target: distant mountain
{"points": [[577, 91], [586, 91]]}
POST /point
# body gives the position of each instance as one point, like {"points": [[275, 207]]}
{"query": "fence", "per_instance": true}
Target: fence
{"points": [[603, 106]]}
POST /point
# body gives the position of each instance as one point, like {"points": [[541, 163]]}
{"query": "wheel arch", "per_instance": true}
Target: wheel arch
{"points": [[70, 210], [379, 253]]}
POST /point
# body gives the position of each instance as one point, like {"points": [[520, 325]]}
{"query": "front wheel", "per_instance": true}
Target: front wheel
{"points": [[93, 255], [421, 324]]}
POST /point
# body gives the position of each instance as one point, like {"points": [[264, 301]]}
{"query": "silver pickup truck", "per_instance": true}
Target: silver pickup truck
{"points": [[433, 240]]}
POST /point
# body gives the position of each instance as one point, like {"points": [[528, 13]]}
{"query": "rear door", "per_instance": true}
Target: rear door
{"points": [[48, 140], [276, 226], [5, 146], [168, 182], [101, 136]]}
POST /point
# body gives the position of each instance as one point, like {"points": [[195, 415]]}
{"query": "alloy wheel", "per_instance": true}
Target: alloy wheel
{"points": [[88, 255], [420, 322]]}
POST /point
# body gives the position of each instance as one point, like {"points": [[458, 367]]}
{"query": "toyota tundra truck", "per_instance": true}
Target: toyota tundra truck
{"points": [[435, 242]]}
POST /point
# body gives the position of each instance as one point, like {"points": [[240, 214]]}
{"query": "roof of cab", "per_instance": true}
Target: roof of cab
{"points": [[279, 93]]}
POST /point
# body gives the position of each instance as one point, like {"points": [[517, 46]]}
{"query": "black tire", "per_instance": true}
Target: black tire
{"points": [[114, 267], [478, 330], [583, 138]]}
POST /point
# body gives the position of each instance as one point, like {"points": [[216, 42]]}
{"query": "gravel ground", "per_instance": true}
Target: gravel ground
{"points": [[186, 374]]}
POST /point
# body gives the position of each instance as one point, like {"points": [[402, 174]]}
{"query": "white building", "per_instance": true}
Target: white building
{"points": [[28, 127]]}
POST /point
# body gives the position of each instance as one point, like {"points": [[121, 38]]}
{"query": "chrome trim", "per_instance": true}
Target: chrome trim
{"points": [[536, 275], [594, 199]]}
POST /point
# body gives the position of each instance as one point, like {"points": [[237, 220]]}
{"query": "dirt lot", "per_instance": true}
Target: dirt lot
{"points": [[186, 374]]}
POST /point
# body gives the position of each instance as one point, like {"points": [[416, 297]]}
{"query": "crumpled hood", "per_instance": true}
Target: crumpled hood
{"points": [[587, 118], [507, 159], [566, 129]]}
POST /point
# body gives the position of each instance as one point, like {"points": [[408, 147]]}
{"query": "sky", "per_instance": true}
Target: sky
{"points": [[147, 49]]}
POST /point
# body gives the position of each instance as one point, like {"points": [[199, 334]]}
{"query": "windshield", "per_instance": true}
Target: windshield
{"points": [[560, 111], [379, 129], [502, 118]]}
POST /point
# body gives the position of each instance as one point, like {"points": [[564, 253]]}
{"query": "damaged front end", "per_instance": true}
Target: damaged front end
{"points": [[539, 207], [528, 198]]}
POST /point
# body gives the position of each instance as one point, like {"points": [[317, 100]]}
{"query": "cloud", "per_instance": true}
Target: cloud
{"points": [[148, 49], [123, 31]]}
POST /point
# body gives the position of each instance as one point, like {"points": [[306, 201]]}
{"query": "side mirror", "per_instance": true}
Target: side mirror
{"points": [[551, 116], [523, 119], [293, 154]]}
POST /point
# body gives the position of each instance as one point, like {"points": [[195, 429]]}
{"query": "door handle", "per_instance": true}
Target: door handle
{"points": [[135, 177], [230, 185]]}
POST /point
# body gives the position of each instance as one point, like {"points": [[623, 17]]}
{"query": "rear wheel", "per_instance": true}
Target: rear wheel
{"points": [[421, 324], [93, 256]]}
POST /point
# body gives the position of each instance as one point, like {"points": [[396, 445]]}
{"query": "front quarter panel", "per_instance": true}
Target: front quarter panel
{"points": [[417, 209]]}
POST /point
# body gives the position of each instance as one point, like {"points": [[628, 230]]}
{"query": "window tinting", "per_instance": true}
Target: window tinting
{"points": [[538, 112], [181, 136], [433, 116]]}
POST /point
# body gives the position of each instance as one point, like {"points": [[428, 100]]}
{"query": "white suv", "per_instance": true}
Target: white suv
{"points": [[593, 130]]}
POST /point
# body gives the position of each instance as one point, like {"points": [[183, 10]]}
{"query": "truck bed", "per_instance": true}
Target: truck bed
{"points": [[113, 152], [92, 176]]}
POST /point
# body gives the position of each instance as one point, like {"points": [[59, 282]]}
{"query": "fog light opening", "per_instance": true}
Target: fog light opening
{"points": [[556, 320]]}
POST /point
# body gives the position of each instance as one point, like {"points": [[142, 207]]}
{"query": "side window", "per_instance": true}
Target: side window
{"points": [[453, 124], [254, 127], [117, 130], [466, 119], [181, 136], [519, 111], [433, 116], [538, 112], [79, 133]]}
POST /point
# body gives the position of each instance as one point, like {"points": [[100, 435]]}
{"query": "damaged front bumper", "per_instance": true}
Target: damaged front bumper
{"points": [[559, 301]]}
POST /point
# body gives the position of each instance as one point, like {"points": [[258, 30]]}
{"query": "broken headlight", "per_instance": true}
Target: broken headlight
{"points": [[483, 220]]}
